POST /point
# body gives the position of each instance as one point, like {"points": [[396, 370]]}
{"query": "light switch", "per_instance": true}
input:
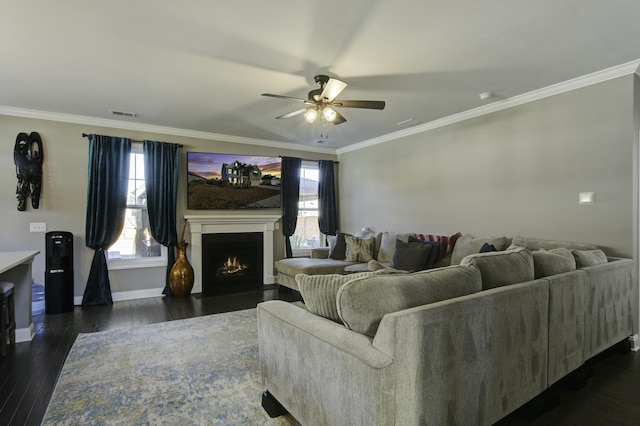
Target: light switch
{"points": [[587, 198], [38, 227]]}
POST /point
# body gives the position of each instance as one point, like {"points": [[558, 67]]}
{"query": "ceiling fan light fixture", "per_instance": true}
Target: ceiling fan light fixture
{"points": [[310, 115], [329, 114]]}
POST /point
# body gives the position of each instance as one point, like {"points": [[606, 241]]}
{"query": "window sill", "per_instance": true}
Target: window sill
{"points": [[117, 264]]}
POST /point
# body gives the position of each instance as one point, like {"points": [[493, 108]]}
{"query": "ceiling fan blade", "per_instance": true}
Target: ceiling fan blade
{"points": [[292, 113], [360, 104], [286, 97], [332, 89], [339, 119]]}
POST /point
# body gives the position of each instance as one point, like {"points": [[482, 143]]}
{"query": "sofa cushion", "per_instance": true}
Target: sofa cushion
{"points": [[303, 265], [363, 302], [410, 256], [433, 252], [586, 258], [319, 291], [359, 249], [388, 245], [552, 262], [500, 268], [466, 245], [535, 244]]}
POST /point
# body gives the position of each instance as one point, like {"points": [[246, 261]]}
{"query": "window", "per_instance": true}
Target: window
{"points": [[307, 234], [136, 248]]}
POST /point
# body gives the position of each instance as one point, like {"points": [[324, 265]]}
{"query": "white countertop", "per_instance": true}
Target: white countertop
{"points": [[10, 259]]}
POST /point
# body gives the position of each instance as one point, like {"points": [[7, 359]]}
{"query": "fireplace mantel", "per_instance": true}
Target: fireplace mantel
{"points": [[214, 224]]}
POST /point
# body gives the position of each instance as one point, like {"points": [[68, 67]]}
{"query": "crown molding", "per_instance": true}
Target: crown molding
{"points": [[123, 125], [628, 68]]}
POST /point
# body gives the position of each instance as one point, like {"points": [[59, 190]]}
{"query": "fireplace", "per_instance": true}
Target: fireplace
{"points": [[200, 226], [231, 263]]}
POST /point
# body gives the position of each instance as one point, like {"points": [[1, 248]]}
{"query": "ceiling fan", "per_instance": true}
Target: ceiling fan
{"points": [[322, 102]]}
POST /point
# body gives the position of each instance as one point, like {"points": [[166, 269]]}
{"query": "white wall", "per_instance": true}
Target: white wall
{"points": [[63, 200], [514, 172]]}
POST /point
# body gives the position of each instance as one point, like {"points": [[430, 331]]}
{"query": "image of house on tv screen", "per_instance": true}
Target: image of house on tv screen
{"points": [[228, 181]]}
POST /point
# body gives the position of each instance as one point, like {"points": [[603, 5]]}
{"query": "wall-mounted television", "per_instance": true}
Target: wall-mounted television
{"points": [[229, 181]]}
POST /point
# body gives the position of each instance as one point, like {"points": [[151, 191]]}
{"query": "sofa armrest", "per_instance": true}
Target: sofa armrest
{"points": [[320, 253], [609, 315], [320, 371], [329, 332], [475, 358], [567, 308]]}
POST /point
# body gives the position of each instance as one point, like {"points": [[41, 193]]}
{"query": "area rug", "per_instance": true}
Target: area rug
{"points": [[198, 371]]}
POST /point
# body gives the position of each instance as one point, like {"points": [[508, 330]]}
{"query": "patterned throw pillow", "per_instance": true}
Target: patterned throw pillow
{"points": [[359, 249]]}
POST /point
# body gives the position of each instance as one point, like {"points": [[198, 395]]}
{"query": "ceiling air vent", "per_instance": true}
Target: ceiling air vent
{"points": [[122, 113]]}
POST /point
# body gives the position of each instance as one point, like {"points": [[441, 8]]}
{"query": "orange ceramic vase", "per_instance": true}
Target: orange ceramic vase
{"points": [[181, 274]]}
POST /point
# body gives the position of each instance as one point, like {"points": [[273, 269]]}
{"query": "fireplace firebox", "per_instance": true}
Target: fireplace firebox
{"points": [[231, 263]]}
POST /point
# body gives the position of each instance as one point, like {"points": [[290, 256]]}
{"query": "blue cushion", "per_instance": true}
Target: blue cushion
{"points": [[486, 247]]}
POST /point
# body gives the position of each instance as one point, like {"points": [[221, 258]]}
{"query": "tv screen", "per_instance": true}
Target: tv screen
{"points": [[229, 181]]}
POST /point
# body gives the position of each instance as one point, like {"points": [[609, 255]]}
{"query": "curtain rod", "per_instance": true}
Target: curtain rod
{"points": [[306, 159], [86, 135]]}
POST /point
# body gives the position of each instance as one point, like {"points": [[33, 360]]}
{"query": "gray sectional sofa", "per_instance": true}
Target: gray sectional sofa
{"points": [[464, 344]]}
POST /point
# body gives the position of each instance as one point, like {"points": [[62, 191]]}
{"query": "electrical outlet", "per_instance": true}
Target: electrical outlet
{"points": [[38, 227]]}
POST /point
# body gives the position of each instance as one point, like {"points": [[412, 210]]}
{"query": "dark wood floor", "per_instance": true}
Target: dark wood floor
{"points": [[29, 373]]}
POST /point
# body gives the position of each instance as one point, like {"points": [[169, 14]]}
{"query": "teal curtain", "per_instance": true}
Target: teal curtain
{"points": [[328, 210], [161, 181], [290, 195], [106, 205]]}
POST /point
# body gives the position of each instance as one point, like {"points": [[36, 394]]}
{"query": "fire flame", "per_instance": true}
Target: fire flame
{"points": [[231, 266]]}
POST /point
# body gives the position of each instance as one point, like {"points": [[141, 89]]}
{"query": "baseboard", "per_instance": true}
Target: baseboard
{"points": [[635, 342], [25, 334], [119, 296]]}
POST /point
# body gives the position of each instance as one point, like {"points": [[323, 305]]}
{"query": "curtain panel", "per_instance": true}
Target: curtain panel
{"points": [[327, 204], [161, 181], [290, 196], [106, 205]]}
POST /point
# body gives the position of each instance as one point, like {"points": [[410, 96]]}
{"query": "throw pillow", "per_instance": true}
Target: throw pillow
{"points": [[410, 256], [338, 252], [319, 291], [388, 245], [433, 251], [586, 258], [447, 243], [359, 249], [486, 248], [466, 245], [552, 262]]}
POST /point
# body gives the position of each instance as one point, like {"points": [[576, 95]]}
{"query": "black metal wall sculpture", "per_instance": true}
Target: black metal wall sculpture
{"points": [[28, 156]]}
